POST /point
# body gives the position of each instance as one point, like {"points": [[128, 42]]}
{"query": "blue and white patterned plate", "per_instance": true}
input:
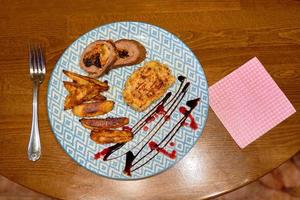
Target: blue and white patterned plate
{"points": [[161, 46]]}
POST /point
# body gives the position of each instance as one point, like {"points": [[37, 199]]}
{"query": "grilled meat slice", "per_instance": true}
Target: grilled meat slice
{"points": [[129, 52], [97, 57]]}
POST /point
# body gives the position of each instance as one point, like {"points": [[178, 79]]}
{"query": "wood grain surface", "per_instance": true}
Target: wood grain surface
{"points": [[223, 35]]}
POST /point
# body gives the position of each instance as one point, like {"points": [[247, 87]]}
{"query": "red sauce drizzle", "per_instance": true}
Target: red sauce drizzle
{"points": [[160, 110], [126, 128], [101, 153], [150, 119], [193, 123], [182, 110], [184, 124], [145, 128], [167, 117], [154, 146], [172, 144]]}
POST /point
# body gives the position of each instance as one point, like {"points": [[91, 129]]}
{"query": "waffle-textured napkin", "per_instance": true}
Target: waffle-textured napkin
{"points": [[249, 103]]}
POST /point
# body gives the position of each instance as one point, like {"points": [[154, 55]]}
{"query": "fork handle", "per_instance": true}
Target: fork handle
{"points": [[34, 146]]}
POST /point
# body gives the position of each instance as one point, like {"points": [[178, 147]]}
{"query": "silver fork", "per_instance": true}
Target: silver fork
{"points": [[37, 72]]}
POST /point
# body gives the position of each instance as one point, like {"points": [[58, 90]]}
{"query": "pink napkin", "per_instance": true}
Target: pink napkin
{"points": [[249, 103]]}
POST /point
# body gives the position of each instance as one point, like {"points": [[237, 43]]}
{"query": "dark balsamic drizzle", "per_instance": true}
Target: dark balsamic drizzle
{"points": [[174, 101], [112, 149], [139, 125], [181, 78], [191, 104], [136, 128], [182, 93], [143, 121], [129, 159]]}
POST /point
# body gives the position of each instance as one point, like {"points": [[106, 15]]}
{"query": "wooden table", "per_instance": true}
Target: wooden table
{"points": [[223, 35]]}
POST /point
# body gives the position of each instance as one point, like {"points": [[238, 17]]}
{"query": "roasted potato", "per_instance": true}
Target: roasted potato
{"points": [[84, 80], [69, 102], [104, 123], [71, 86], [105, 136], [80, 93], [75, 98], [90, 93], [92, 109], [98, 98]]}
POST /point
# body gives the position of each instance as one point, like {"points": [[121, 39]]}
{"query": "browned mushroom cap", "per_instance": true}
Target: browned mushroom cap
{"points": [[130, 52], [97, 57]]}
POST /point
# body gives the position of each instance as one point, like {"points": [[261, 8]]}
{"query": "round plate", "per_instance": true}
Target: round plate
{"points": [[161, 46]]}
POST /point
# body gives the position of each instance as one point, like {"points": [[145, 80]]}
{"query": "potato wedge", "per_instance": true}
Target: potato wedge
{"points": [[90, 92], [80, 93], [83, 80], [93, 109], [98, 98], [75, 99], [69, 102], [71, 86], [104, 123], [105, 136]]}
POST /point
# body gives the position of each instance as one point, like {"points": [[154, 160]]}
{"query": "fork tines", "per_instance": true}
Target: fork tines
{"points": [[37, 62]]}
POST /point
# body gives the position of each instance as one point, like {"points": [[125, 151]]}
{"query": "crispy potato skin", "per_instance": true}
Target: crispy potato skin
{"points": [[98, 98], [85, 100], [69, 102], [71, 86], [106, 136], [93, 109], [83, 89], [104, 123], [84, 80], [79, 93]]}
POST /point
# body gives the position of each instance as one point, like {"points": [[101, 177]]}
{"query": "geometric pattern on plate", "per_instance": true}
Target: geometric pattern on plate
{"points": [[162, 46]]}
